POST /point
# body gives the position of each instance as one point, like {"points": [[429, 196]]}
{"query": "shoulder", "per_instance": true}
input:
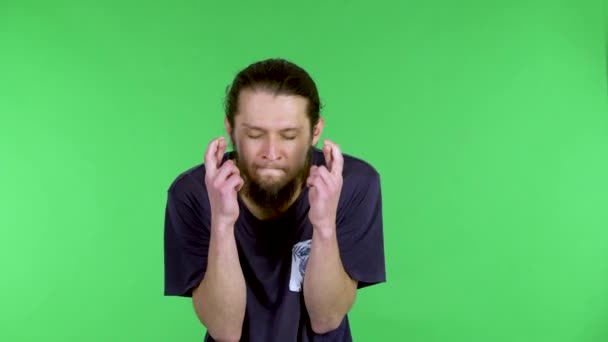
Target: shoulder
{"points": [[188, 183], [355, 171], [360, 181], [192, 179], [189, 186]]}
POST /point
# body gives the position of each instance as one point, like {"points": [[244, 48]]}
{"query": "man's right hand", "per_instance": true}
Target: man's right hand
{"points": [[223, 181], [220, 298]]}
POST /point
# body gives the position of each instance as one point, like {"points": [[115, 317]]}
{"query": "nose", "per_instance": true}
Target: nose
{"points": [[271, 150]]}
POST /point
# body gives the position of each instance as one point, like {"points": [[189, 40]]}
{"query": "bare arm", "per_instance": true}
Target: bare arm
{"points": [[219, 301], [220, 298], [329, 292]]}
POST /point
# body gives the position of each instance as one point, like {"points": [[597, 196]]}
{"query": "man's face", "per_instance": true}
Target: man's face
{"points": [[273, 143]]}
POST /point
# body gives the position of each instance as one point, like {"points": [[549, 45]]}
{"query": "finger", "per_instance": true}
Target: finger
{"points": [[312, 183], [234, 182], [240, 185], [327, 153], [221, 148], [326, 177], [312, 180], [317, 181], [309, 182], [210, 160], [224, 172], [338, 160], [313, 170], [317, 185]]}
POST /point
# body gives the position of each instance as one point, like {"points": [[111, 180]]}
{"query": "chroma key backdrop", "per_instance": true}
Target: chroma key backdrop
{"points": [[487, 121]]}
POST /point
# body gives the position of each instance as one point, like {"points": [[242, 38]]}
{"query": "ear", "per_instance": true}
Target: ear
{"points": [[227, 127], [317, 131]]}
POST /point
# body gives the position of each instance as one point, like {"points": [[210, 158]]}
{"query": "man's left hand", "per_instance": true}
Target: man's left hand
{"points": [[325, 183]]}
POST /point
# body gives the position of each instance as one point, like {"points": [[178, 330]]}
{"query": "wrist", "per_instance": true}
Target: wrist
{"points": [[325, 231], [221, 227]]}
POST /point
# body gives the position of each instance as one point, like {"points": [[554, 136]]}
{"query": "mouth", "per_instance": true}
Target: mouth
{"points": [[268, 167], [270, 170]]}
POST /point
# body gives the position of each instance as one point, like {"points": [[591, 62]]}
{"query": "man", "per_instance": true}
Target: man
{"points": [[273, 239]]}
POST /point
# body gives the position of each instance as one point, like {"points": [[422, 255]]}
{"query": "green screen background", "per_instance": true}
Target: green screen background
{"points": [[487, 121]]}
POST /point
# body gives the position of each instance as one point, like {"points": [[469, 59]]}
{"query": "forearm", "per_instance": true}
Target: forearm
{"points": [[328, 290], [220, 299]]}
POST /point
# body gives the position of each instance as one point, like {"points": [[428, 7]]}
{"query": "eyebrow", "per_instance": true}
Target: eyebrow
{"points": [[287, 129]]}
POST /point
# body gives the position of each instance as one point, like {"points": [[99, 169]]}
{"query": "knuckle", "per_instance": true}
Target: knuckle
{"points": [[217, 184]]}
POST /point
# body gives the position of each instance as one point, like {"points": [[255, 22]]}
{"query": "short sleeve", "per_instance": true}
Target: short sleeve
{"points": [[360, 230], [186, 243]]}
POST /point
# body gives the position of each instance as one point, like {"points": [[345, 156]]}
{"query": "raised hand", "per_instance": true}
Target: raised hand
{"points": [[325, 185], [223, 181]]}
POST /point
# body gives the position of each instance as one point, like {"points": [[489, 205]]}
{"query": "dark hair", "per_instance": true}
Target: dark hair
{"points": [[279, 77]]}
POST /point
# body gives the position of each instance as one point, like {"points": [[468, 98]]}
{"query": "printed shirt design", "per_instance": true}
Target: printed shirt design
{"points": [[299, 258]]}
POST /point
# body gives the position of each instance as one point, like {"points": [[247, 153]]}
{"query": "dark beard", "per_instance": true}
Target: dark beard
{"points": [[276, 197]]}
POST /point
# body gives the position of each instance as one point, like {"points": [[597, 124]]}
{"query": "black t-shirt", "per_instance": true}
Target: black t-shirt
{"points": [[273, 253]]}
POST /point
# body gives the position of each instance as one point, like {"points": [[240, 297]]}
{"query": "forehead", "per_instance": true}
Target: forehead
{"points": [[265, 109]]}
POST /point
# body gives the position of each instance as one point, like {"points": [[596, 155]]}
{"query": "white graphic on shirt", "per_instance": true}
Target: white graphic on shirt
{"points": [[299, 258]]}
